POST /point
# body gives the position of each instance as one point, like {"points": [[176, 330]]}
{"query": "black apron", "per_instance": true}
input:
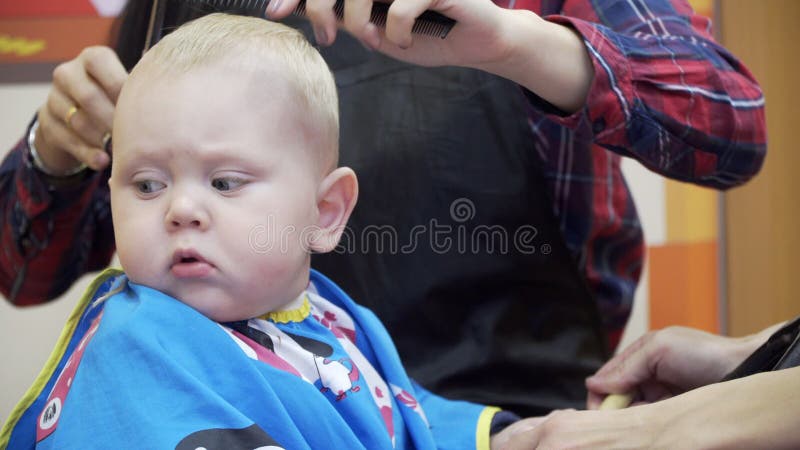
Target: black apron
{"points": [[453, 242], [448, 174]]}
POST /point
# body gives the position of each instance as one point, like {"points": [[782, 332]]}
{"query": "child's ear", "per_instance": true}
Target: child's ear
{"points": [[336, 199]]}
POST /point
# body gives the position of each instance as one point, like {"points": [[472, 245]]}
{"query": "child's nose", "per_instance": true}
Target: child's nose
{"points": [[186, 212]]}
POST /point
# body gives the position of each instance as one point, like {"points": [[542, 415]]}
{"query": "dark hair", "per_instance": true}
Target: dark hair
{"points": [[129, 31]]}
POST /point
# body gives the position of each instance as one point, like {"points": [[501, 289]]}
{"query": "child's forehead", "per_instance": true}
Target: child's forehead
{"points": [[231, 100], [256, 63], [211, 132], [255, 90]]}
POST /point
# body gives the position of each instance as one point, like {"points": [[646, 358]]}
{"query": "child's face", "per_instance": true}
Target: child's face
{"points": [[212, 186]]}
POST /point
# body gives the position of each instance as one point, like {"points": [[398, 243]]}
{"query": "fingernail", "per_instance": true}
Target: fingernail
{"points": [[99, 160], [320, 36]]}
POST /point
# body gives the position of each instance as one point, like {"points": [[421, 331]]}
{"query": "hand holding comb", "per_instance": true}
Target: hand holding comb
{"points": [[429, 23]]}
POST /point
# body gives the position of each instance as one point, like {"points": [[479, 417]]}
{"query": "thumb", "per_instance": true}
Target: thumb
{"points": [[622, 374], [608, 395]]}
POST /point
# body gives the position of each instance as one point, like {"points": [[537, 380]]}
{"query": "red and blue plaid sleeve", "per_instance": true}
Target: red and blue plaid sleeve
{"points": [[666, 94], [50, 236]]}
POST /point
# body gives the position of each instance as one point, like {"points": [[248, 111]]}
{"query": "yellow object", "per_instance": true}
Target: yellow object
{"points": [[290, 315], [483, 439], [20, 46], [616, 401], [68, 116]]}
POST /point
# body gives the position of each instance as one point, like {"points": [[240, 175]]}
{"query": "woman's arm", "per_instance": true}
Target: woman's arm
{"points": [[51, 235], [759, 411], [644, 79]]}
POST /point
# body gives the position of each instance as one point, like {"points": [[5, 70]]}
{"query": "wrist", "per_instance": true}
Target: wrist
{"points": [[667, 423], [741, 348], [547, 58], [36, 159], [518, 29]]}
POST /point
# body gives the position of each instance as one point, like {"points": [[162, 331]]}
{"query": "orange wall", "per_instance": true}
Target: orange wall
{"points": [[763, 217], [684, 270]]}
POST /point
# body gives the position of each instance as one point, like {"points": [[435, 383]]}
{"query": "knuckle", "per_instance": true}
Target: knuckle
{"points": [[93, 52], [88, 99], [558, 420], [649, 337], [94, 57], [82, 97], [661, 337], [61, 73]]}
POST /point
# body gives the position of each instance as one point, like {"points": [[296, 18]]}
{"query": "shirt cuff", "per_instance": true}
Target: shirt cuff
{"points": [[483, 432], [501, 420], [611, 88], [37, 171]]}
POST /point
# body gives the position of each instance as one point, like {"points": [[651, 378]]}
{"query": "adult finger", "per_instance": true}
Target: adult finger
{"points": [[400, 20], [323, 20], [104, 66], [357, 15], [622, 374], [74, 82], [61, 149], [75, 118]]}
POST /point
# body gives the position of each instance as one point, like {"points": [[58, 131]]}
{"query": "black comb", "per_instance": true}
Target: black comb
{"points": [[429, 23]]}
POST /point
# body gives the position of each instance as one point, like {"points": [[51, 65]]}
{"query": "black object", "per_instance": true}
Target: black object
{"points": [[781, 351], [450, 175], [169, 14], [228, 439]]}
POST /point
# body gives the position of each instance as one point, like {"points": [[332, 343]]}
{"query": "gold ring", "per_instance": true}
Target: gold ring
{"points": [[106, 140], [68, 116]]}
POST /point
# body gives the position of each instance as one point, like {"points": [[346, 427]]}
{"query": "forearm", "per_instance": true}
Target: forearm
{"points": [[759, 411], [49, 236], [755, 412], [548, 59], [655, 87]]}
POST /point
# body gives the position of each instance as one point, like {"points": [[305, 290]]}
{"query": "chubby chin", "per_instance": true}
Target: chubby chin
{"points": [[214, 302]]}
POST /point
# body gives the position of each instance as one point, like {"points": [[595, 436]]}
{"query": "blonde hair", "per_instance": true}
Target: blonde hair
{"points": [[255, 43]]}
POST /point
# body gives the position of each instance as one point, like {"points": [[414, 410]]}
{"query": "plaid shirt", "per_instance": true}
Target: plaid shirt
{"points": [[664, 93]]}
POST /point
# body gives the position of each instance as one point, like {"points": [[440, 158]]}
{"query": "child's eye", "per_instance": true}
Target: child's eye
{"points": [[224, 184], [149, 186]]}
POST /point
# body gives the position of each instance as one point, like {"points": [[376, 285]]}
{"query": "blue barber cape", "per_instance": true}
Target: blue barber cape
{"points": [[140, 369]]}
